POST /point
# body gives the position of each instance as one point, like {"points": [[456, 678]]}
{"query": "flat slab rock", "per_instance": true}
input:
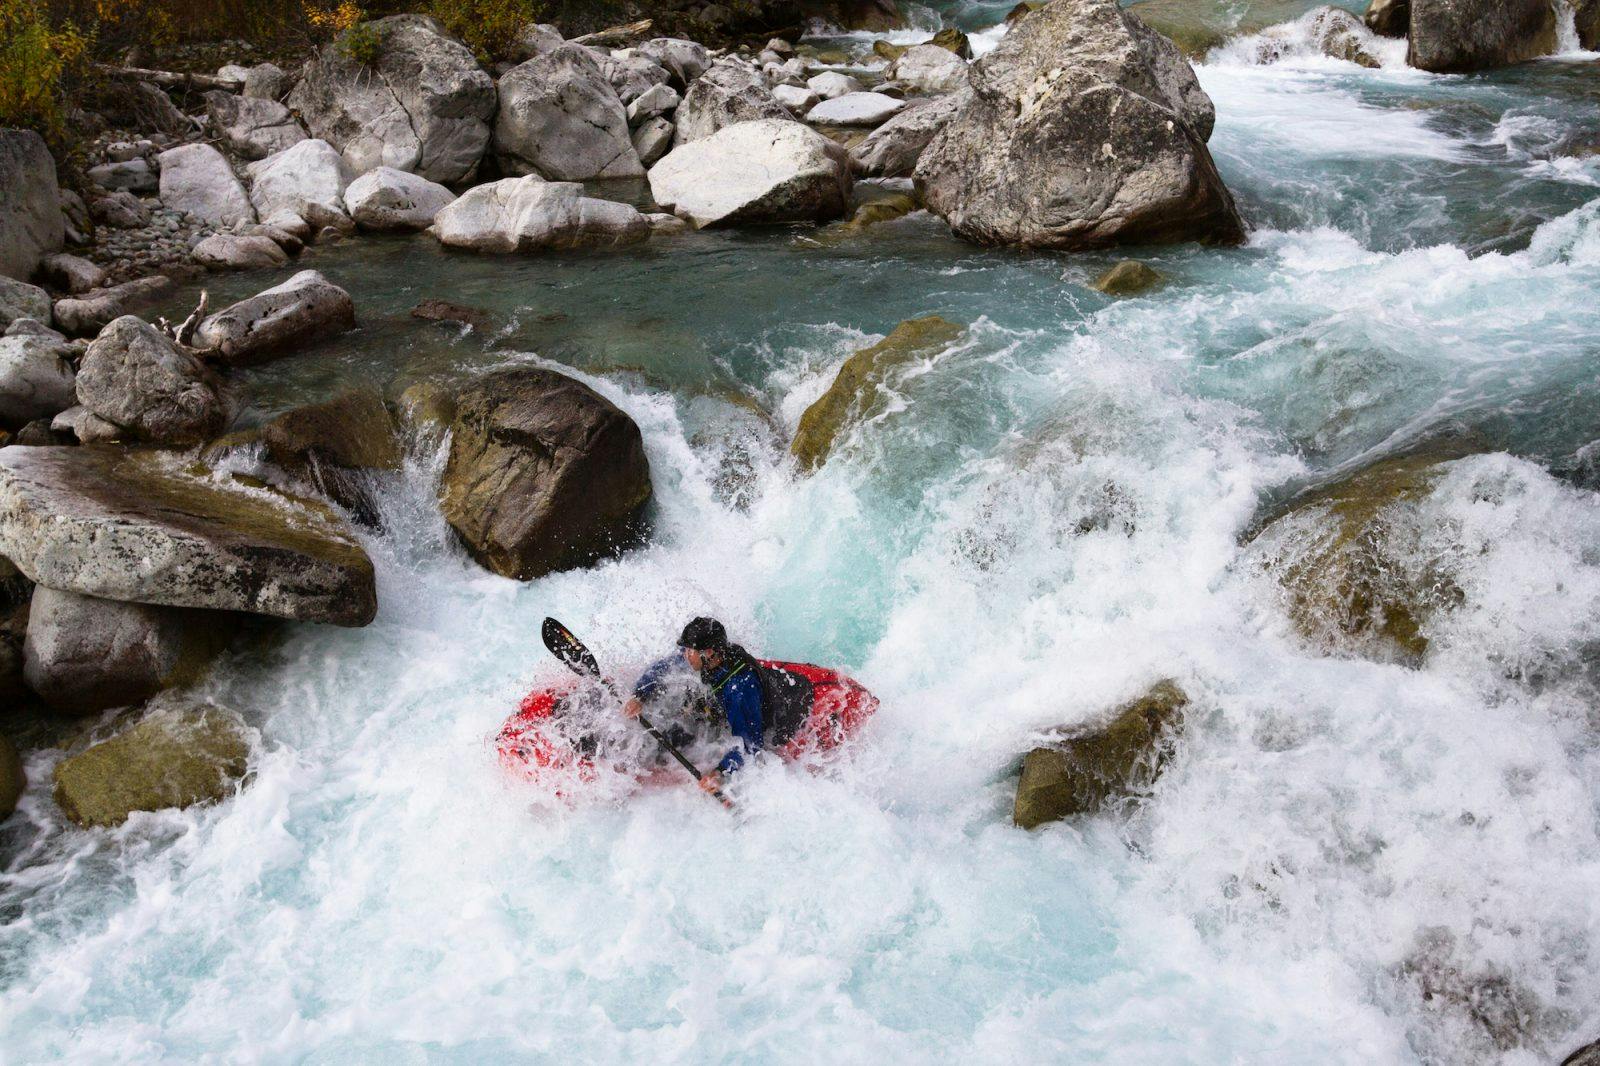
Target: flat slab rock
{"points": [[149, 527]]}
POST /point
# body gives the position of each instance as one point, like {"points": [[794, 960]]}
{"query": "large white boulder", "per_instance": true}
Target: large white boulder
{"points": [[684, 60], [529, 213], [831, 83], [302, 188], [561, 118], [134, 376], [306, 308], [767, 171], [930, 68], [892, 150], [390, 199], [856, 109], [31, 225], [727, 93], [232, 251], [196, 178]]}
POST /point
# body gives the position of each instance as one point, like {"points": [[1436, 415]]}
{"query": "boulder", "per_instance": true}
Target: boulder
{"points": [[1453, 36], [302, 188], [389, 199], [856, 109], [1586, 20], [424, 105], [1084, 129], [884, 209], [426, 411], [228, 251], [830, 84], [141, 106], [657, 100], [254, 128], [797, 98], [1089, 768], [84, 654], [1388, 18], [120, 210], [892, 150], [137, 377], [854, 394], [528, 214], [1589, 1054], [684, 61], [953, 41], [1128, 278], [754, 173], [151, 527], [87, 427], [630, 76], [68, 273], [306, 308], [561, 119], [330, 445], [135, 175], [36, 378], [728, 93], [31, 225], [178, 756], [18, 300], [13, 781], [652, 140], [544, 473], [196, 179], [535, 39], [89, 312], [930, 68], [266, 81], [1334, 31]]}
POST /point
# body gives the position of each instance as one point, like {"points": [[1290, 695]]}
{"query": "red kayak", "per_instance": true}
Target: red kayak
{"points": [[530, 742]]}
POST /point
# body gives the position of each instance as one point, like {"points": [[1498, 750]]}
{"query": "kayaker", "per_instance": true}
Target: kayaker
{"points": [[731, 676]]}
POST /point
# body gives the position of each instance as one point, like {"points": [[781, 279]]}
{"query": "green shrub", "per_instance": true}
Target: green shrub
{"points": [[489, 27], [363, 43], [39, 62]]}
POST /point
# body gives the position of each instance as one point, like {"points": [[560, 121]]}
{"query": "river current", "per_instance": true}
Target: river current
{"points": [[1047, 518]]}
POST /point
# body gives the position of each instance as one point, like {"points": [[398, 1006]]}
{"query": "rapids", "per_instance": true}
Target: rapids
{"points": [[1048, 519]]}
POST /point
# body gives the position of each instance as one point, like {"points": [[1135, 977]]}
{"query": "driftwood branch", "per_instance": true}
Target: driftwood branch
{"points": [[612, 36], [184, 331], [169, 79]]}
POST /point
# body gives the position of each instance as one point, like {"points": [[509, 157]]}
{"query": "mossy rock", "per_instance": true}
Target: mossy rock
{"points": [[1021, 11], [953, 40], [1128, 278], [890, 52], [426, 410], [175, 757], [352, 431], [13, 781], [854, 392], [1082, 773]]}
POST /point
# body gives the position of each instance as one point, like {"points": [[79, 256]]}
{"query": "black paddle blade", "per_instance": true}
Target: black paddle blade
{"points": [[568, 648]]}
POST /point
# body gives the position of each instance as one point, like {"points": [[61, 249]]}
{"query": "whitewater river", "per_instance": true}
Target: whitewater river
{"points": [[1047, 519]]}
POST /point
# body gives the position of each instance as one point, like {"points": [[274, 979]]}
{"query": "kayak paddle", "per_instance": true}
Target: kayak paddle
{"points": [[570, 650]]}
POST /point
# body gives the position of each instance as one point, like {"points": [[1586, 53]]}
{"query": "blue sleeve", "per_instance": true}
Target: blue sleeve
{"points": [[741, 702], [657, 672]]}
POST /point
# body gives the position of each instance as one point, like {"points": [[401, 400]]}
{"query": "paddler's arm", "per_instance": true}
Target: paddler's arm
{"points": [[741, 702], [648, 682]]}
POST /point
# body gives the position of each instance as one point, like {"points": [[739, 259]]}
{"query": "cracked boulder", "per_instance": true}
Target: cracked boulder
{"points": [[728, 93], [529, 214], [561, 118], [136, 377], [306, 308], [424, 105]]}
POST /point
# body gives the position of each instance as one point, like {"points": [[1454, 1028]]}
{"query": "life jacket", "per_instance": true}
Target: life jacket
{"points": [[786, 696]]}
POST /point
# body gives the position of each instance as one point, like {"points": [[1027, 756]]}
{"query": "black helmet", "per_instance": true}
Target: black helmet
{"points": [[704, 634]]}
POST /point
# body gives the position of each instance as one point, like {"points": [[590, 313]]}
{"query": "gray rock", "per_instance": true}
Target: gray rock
{"points": [[631, 76], [892, 150], [683, 60], [797, 98], [657, 100], [652, 140], [831, 83], [139, 105], [69, 273], [229, 251], [544, 474], [754, 173], [86, 426], [36, 378], [389, 199], [31, 225], [266, 81], [254, 128], [856, 109], [150, 527], [561, 119], [120, 210], [665, 225], [528, 214], [535, 39], [424, 106], [1084, 129], [1389, 18], [197, 180], [727, 93], [929, 68], [135, 376], [18, 299], [1450, 36], [1589, 1054], [83, 654], [89, 312], [302, 188], [305, 308], [233, 72], [123, 151], [135, 175]]}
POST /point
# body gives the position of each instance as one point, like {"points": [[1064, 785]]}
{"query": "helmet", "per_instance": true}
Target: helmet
{"points": [[703, 634]]}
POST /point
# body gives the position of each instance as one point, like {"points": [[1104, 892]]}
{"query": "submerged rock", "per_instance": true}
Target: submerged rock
{"points": [[854, 392], [305, 308], [1087, 769], [727, 94], [561, 119], [530, 214], [148, 528], [424, 105], [754, 173], [1127, 278], [1451, 36], [85, 654], [137, 377], [544, 473], [1084, 129], [31, 223], [176, 757]]}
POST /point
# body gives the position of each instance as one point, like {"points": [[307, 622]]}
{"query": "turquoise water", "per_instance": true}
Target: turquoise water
{"points": [[1045, 521]]}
